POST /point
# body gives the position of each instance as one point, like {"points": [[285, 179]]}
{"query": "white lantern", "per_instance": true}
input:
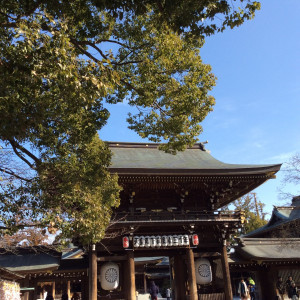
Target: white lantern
{"points": [[164, 241], [147, 241], [136, 242], [180, 240], [175, 240], [203, 271], [170, 240], [158, 241], [142, 241], [186, 240], [153, 241], [109, 276]]}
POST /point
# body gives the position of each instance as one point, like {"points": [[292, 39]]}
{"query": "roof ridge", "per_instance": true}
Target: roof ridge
{"points": [[145, 145]]}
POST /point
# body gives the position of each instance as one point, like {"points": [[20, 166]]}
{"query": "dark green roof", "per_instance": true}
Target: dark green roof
{"points": [[142, 158], [268, 249], [29, 262], [280, 216]]}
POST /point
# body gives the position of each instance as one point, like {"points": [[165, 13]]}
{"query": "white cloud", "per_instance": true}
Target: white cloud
{"points": [[282, 157]]}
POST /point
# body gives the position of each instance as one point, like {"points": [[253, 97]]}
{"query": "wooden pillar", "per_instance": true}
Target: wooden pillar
{"points": [[26, 284], [268, 287], [145, 283], [53, 289], [93, 273], [129, 285], [42, 294], [69, 289], [85, 287], [191, 274], [179, 277], [226, 273], [35, 290]]}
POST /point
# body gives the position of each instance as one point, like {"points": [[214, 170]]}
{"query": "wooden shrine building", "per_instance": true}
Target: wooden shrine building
{"points": [[170, 206]]}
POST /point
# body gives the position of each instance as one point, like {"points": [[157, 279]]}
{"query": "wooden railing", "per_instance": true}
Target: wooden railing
{"points": [[177, 215]]}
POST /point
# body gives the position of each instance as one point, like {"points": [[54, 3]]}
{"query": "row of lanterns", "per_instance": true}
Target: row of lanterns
{"points": [[110, 274], [161, 241]]}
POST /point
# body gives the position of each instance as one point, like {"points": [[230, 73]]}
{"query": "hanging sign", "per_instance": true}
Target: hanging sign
{"points": [[203, 271], [109, 276], [163, 241]]}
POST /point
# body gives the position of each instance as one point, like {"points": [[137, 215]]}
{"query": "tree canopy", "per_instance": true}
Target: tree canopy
{"points": [[60, 62], [255, 216]]}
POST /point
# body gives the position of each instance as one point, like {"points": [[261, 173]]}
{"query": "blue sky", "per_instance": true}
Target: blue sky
{"points": [[256, 116]]}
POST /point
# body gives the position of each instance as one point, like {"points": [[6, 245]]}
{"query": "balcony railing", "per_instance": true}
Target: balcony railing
{"points": [[163, 215]]}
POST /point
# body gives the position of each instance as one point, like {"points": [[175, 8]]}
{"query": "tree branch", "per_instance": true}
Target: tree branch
{"points": [[93, 46], [16, 146], [78, 46], [111, 41], [14, 174], [105, 56]]}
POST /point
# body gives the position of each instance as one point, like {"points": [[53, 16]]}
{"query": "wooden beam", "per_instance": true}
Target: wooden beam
{"points": [[92, 274], [207, 254], [191, 274], [226, 273], [112, 258]]}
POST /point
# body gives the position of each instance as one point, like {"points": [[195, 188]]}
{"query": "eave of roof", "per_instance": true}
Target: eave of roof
{"points": [[142, 158], [9, 275], [269, 249], [29, 262]]}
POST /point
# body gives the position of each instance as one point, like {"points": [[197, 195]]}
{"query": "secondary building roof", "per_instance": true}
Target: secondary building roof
{"points": [[8, 275], [268, 249], [29, 262], [281, 216]]}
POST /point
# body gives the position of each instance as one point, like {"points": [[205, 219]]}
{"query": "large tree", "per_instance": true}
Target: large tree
{"points": [[254, 214], [60, 62]]}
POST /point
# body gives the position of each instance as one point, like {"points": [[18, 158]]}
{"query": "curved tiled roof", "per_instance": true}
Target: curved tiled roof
{"points": [[29, 262], [280, 216], [142, 158], [268, 249]]}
